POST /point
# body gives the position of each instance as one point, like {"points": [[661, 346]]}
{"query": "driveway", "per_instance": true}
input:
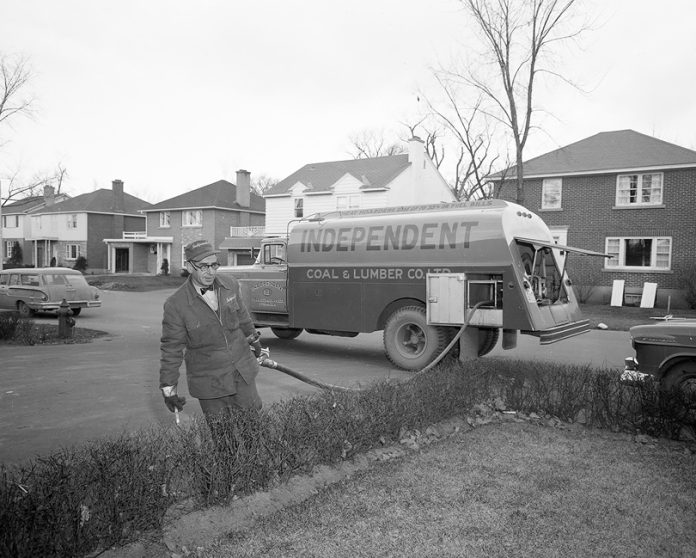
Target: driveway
{"points": [[54, 396]]}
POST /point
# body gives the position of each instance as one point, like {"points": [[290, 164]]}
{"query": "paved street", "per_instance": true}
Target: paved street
{"points": [[53, 396]]}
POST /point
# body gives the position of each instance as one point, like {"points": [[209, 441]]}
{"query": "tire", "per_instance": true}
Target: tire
{"points": [[409, 342], [488, 339], [286, 332], [24, 310], [681, 376], [76, 311]]}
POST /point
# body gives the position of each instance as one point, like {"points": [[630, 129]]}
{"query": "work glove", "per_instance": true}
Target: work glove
{"points": [[253, 340], [172, 400]]}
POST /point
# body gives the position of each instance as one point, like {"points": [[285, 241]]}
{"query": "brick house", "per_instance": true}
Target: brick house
{"points": [[622, 193], [229, 216], [16, 222], [405, 179], [77, 226]]}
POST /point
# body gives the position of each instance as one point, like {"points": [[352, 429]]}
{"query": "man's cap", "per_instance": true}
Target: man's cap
{"points": [[199, 249]]}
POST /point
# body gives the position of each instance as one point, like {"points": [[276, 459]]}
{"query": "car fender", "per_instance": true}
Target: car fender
{"points": [[673, 359]]}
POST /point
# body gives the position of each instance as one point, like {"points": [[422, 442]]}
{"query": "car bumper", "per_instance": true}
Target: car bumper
{"points": [[52, 306]]}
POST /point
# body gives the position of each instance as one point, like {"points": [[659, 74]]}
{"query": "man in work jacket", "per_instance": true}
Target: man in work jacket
{"points": [[207, 325]]}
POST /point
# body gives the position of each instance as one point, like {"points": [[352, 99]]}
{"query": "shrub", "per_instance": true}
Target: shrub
{"points": [[15, 328], [81, 264], [83, 499], [17, 256], [687, 281]]}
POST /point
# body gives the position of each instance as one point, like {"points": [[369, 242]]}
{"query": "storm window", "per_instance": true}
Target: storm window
{"points": [[192, 218], [299, 207], [639, 253], [72, 251], [551, 193], [639, 189]]}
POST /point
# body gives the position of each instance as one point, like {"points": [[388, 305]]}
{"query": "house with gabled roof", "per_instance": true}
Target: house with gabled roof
{"points": [[16, 223], [229, 216], [406, 179], [77, 227], [626, 194]]}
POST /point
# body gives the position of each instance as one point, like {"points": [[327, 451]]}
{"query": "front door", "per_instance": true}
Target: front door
{"points": [[121, 260], [39, 255]]}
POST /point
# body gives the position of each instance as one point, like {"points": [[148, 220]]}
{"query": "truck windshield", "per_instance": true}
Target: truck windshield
{"points": [[542, 273], [274, 254]]}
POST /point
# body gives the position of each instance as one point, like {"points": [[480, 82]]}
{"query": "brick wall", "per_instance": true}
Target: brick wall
{"points": [[588, 210]]}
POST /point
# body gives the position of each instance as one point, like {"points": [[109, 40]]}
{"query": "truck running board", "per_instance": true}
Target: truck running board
{"points": [[559, 333]]}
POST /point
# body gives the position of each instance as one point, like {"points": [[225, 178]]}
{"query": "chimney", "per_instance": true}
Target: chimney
{"points": [[49, 195], [416, 152], [244, 188], [119, 202]]}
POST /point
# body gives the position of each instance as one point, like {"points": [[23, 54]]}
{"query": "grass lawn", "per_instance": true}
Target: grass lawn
{"points": [[506, 489]]}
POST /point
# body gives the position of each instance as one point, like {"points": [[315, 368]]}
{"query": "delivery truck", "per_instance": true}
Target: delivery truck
{"points": [[420, 274]]}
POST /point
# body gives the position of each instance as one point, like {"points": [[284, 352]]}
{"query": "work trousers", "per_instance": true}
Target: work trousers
{"points": [[219, 412]]}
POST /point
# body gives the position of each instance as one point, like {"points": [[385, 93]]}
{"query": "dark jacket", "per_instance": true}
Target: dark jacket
{"points": [[212, 347]]}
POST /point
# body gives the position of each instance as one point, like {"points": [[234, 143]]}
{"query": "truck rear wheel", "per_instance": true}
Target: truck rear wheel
{"points": [[286, 332], [409, 342], [488, 339]]}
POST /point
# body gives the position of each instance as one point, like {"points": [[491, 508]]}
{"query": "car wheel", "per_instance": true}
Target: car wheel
{"points": [[76, 311], [286, 332], [409, 342], [24, 310]]}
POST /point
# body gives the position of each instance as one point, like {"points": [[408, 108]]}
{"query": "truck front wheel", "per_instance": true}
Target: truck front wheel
{"points": [[286, 332], [409, 342], [682, 376]]}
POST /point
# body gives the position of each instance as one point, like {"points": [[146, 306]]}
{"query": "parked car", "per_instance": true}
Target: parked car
{"points": [[30, 290], [666, 351]]}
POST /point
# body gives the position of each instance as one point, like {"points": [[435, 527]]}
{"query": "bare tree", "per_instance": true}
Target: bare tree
{"points": [[262, 183], [15, 188], [471, 130], [432, 138], [371, 143], [14, 98], [517, 35]]}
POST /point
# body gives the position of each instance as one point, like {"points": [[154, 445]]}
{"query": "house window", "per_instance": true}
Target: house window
{"points": [[10, 221], [164, 219], [299, 207], [9, 246], [348, 202], [639, 254], [551, 193], [192, 218], [639, 189], [72, 221], [72, 251]]}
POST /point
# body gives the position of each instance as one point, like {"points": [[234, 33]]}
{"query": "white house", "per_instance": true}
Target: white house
{"points": [[406, 179], [16, 224]]}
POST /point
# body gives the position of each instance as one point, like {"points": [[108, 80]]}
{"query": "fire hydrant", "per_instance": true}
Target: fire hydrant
{"points": [[66, 323]]}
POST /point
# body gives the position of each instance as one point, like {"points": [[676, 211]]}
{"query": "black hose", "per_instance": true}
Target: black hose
{"points": [[268, 363]]}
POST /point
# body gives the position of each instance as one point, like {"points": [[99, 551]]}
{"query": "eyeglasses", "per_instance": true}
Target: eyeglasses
{"points": [[205, 267]]}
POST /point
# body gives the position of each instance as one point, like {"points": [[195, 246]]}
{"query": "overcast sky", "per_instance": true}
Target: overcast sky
{"points": [[168, 95]]}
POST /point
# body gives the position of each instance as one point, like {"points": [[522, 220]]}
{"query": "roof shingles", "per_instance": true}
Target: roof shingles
{"points": [[374, 172], [220, 194], [608, 151]]}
